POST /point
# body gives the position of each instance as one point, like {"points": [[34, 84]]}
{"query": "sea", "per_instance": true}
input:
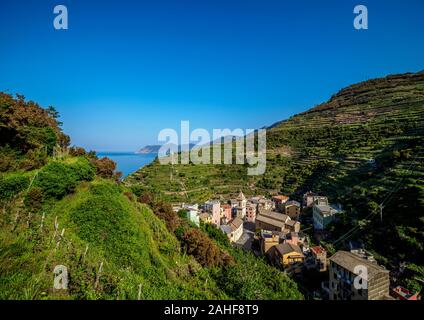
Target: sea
{"points": [[128, 162]]}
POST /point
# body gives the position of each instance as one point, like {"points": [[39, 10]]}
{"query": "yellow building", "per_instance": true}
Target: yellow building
{"points": [[268, 240], [286, 254]]}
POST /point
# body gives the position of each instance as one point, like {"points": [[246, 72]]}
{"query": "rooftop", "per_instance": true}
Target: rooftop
{"points": [[273, 218], [349, 261], [285, 248], [326, 209], [226, 229], [204, 215], [318, 250], [281, 198], [235, 223], [241, 196], [292, 203]]}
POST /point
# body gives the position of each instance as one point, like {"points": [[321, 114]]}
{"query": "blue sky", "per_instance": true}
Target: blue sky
{"points": [[127, 69]]}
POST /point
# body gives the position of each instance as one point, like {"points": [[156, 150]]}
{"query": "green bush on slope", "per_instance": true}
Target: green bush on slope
{"points": [[11, 185], [58, 179]]}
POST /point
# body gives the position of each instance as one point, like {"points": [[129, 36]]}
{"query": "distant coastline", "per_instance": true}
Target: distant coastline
{"points": [[149, 149], [129, 162]]}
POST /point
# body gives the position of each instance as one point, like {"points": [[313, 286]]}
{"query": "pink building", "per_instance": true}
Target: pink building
{"points": [[226, 212], [216, 213]]}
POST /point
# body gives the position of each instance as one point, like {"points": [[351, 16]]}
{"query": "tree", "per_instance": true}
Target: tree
{"points": [[105, 167]]}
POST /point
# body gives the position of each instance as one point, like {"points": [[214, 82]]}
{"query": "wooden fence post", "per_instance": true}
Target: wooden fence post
{"points": [[98, 275]]}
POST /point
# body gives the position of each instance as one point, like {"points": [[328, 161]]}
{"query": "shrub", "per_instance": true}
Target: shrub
{"points": [[83, 170], [12, 185], [145, 197], [203, 249], [252, 278], [216, 234], [105, 167], [77, 151], [58, 179], [164, 211]]}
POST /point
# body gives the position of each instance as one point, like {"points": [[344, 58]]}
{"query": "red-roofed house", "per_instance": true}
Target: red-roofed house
{"points": [[319, 255]]}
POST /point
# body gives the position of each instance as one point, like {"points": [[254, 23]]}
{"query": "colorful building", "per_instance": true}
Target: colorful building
{"points": [[286, 254], [319, 256], [226, 215]]}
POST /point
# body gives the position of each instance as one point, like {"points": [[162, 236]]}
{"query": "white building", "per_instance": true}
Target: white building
{"points": [[193, 214], [323, 215], [234, 229]]}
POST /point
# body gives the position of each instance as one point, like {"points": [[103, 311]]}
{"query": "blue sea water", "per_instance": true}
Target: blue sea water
{"points": [[128, 162]]}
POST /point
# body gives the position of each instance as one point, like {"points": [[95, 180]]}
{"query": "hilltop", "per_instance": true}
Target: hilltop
{"points": [[363, 147]]}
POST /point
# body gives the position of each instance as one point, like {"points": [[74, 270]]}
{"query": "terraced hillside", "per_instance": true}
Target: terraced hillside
{"points": [[363, 148], [356, 126]]}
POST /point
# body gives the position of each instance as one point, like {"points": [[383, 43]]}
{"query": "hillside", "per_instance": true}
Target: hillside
{"points": [[362, 148], [62, 206], [357, 124], [149, 149]]}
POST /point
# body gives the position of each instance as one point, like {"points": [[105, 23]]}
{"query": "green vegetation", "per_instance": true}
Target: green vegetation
{"points": [[239, 274], [67, 207], [363, 147], [57, 179]]}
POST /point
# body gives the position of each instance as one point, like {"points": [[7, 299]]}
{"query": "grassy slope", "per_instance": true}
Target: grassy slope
{"points": [[133, 244]]}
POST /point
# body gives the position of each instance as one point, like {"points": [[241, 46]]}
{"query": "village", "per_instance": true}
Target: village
{"points": [[290, 234]]}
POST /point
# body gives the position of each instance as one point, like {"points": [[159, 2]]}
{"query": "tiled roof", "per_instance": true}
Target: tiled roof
{"points": [[273, 218], [350, 260], [280, 198], [285, 248], [318, 250], [236, 223]]}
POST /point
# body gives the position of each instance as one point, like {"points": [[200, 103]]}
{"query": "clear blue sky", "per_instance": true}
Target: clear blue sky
{"points": [[127, 69]]}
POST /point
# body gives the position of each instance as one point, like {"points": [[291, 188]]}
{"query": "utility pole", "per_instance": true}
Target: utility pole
{"points": [[381, 211]]}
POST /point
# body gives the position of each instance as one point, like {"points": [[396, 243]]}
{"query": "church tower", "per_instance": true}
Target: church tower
{"points": [[242, 203]]}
